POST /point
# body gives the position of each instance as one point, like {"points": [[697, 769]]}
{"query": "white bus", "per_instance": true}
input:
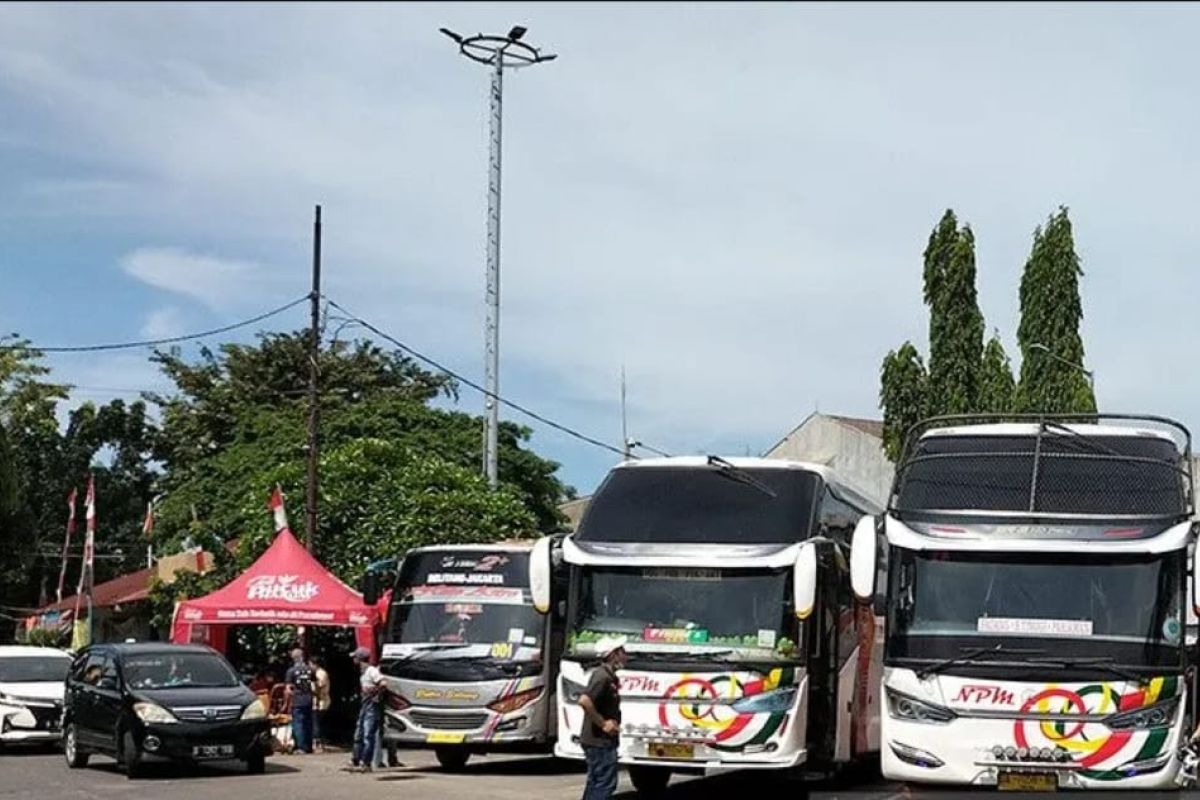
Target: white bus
{"points": [[1036, 602], [729, 580]]}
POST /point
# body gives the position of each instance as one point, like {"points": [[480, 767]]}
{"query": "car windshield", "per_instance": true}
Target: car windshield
{"points": [[1076, 474], [1129, 608], [172, 670], [701, 505], [34, 669], [741, 612]]}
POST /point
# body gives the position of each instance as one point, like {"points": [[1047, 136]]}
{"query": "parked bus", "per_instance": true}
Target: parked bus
{"points": [[729, 580], [1036, 602], [469, 664]]}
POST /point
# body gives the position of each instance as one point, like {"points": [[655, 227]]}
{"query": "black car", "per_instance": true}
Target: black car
{"points": [[151, 701]]}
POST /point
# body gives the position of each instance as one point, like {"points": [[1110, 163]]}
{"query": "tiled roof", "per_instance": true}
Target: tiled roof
{"points": [[871, 427], [123, 589]]}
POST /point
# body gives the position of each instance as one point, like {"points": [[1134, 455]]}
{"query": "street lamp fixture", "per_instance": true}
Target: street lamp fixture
{"points": [[499, 53], [1087, 373]]}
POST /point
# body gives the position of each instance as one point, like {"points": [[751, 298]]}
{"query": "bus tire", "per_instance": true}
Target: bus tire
{"points": [[452, 759], [649, 781]]}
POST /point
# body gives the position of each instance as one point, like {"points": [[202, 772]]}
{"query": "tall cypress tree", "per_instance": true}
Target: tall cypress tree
{"points": [[997, 389], [1052, 380], [955, 321], [902, 396]]}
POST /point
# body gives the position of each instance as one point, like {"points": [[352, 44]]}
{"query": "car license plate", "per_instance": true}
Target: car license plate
{"points": [[213, 751], [1027, 781], [675, 751], [442, 737]]}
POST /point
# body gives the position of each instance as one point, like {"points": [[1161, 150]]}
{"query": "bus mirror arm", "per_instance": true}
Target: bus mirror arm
{"points": [[1195, 573], [541, 574], [863, 559], [804, 581]]}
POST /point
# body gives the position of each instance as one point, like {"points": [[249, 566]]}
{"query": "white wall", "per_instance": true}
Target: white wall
{"points": [[856, 456]]}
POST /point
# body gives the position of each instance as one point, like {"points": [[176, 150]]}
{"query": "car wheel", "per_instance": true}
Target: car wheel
{"points": [[256, 765], [76, 758], [131, 757], [452, 759]]}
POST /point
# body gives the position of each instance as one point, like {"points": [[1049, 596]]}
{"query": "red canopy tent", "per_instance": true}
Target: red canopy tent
{"points": [[285, 586]]}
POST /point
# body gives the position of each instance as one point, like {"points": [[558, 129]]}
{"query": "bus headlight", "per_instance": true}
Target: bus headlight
{"points": [[507, 705], [901, 706], [767, 702], [1158, 715]]}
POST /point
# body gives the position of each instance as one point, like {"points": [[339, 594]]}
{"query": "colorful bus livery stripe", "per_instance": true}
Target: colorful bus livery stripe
{"points": [[1093, 745], [712, 710]]}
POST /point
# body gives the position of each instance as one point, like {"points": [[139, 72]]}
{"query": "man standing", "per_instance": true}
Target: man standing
{"points": [[322, 700], [371, 686], [301, 682], [601, 704]]}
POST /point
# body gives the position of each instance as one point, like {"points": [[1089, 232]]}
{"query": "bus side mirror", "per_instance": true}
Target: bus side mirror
{"points": [[371, 588], [540, 574], [804, 581], [1195, 585], [862, 560]]}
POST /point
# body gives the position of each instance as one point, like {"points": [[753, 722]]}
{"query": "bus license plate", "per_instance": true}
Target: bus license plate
{"points": [[680, 752], [441, 737], [1027, 782]]}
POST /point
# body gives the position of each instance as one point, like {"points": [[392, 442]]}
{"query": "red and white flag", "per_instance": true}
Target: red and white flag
{"points": [[62, 574], [87, 574], [276, 506], [148, 523]]}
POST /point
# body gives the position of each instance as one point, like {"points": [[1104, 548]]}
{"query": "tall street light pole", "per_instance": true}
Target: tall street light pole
{"points": [[499, 53], [1087, 373]]}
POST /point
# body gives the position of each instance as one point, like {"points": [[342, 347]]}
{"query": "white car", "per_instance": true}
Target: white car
{"points": [[32, 680]]}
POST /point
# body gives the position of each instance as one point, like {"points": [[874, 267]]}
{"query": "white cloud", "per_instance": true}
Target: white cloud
{"points": [[163, 323], [213, 281]]}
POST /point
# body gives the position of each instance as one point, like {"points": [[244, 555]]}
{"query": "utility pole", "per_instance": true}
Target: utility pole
{"points": [[499, 53], [624, 427], [314, 409]]}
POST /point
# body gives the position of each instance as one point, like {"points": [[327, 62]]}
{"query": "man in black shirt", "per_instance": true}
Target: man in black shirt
{"points": [[601, 704], [302, 682]]}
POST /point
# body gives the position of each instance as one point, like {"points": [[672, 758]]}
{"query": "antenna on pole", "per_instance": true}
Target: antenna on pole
{"points": [[624, 426]]}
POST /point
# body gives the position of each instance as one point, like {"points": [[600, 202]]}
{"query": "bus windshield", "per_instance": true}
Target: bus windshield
{"points": [[1127, 608], [745, 613], [701, 505], [1076, 474]]}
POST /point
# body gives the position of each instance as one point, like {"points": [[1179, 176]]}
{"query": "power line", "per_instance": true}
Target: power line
{"points": [[466, 381], [93, 348]]}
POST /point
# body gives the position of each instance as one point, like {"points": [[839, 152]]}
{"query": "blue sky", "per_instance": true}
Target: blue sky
{"points": [[729, 200]]}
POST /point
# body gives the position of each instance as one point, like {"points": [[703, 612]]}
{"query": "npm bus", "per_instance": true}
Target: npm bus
{"points": [[1036, 594], [468, 662], [728, 579]]}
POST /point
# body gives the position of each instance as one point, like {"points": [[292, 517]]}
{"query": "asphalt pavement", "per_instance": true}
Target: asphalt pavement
{"points": [[44, 775]]}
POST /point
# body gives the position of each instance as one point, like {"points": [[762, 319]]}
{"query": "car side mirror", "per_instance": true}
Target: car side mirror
{"points": [[540, 574], [804, 581], [863, 546]]}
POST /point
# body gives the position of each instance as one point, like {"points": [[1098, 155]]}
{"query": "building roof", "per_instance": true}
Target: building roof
{"points": [[871, 427], [127, 588]]}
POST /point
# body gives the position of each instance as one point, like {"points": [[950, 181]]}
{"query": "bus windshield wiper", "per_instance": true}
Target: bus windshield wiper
{"points": [[433, 648], [1099, 662], [969, 655], [727, 470]]}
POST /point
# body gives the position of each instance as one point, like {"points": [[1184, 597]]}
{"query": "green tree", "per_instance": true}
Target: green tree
{"points": [[997, 390], [955, 321], [245, 406], [1051, 311], [902, 395], [112, 441], [378, 498]]}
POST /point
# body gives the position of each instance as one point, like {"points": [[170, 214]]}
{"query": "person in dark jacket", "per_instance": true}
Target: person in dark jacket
{"points": [[600, 735]]}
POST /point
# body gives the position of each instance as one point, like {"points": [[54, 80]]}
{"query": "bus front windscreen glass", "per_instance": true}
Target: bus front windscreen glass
{"points": [[460, 604], [742, 614], [1076, 474], [701, 505], [1127, 609]]}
